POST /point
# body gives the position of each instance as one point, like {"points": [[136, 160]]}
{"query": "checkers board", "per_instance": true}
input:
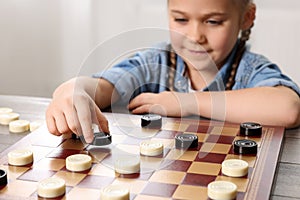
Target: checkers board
{"points": [[176, 174]]}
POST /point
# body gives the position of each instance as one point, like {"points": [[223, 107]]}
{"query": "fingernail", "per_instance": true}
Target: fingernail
{"points": [[89, 140]]}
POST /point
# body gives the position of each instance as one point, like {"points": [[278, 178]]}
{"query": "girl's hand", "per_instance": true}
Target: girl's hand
{"points": [[165, 103], [74, 110]]}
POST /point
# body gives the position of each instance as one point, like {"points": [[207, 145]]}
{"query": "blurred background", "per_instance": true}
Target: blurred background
{"points": [[45, 42]]}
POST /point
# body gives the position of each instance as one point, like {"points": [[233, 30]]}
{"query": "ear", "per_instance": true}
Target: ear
{"points": [[249, 17]]}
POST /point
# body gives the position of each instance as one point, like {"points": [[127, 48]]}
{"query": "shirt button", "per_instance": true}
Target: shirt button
{"points": [[180, 84]]}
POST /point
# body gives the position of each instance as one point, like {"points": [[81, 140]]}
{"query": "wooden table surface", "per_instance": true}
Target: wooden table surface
{"points": [[286, 185]]}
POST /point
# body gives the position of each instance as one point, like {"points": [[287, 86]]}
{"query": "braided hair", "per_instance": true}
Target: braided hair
{"points": [[172, 68], [238, 56]]}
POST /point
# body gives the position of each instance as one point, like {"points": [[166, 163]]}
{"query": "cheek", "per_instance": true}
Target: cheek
{"points": [[177, 32], [225, 41], [176, 38]]}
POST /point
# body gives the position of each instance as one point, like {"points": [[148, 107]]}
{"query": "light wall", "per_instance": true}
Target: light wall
{"points": [[43, 43], [276, 34]]}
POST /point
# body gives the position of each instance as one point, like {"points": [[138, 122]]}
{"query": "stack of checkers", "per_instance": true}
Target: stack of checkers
{"points": [[246, 146], [16, 125]]}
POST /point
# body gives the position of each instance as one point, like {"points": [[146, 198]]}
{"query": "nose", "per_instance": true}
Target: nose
{"points": [[196, 33]]}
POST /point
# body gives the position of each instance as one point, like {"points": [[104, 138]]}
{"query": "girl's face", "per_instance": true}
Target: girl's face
{"points": [[204, 30]]}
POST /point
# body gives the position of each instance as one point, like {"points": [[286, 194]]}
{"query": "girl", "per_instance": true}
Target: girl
{"points": [[210, 73]]}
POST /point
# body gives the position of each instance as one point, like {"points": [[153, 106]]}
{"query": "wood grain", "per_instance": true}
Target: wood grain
{"points": [[288, 181], [291, 151]]}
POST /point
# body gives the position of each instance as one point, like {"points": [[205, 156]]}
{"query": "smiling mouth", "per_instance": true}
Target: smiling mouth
{"points": [[197, 51]]}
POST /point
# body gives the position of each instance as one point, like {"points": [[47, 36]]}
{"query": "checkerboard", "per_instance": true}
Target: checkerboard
{"points": [[176, 174]]}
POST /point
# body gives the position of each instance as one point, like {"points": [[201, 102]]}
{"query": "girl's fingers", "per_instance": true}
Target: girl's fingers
{"points": [[56, 121], [61, 123], [140, 100], [52, 126], [85, 120], [142, 109], [73, 121], [101, 121], [151, 108]]}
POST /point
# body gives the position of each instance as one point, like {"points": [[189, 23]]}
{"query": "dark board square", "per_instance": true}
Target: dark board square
{"points": [[198, 179], [223, 139], [210, 157], [176, 165], [199, 128]]}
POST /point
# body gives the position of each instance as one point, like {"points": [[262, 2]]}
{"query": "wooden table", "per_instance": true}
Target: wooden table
{"points": [[286, 185]]}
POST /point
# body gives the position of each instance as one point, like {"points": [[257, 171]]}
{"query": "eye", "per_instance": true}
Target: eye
{"points": [[180, 20], [214, 22]]}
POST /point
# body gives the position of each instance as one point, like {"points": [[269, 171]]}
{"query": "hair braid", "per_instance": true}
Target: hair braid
{"points": [[238, 56], [172, 69]]}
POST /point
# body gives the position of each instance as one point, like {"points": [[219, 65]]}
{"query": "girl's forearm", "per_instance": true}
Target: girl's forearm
{"points": [[267, 105]]}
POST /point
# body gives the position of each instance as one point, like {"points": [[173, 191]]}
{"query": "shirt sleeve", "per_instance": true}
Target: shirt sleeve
{"points": [[261, 72], [126, 76], [143, 72], [271, 75]]}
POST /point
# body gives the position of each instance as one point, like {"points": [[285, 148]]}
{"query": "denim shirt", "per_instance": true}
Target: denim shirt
{"points": [[147, 71]]}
